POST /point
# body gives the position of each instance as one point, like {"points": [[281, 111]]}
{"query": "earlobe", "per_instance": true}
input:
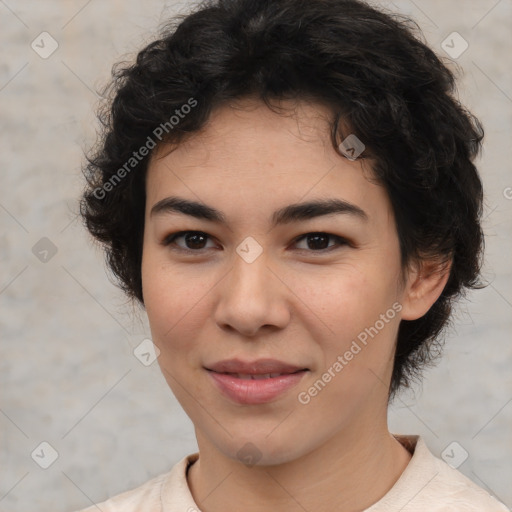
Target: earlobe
{"points": [[425, 284]]}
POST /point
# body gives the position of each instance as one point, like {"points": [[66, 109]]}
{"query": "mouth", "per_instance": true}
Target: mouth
{"points": [[253, 383], [260, 367], [258, 376]]}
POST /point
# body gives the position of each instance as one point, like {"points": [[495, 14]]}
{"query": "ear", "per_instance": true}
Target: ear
{"points": [[425, 283]]}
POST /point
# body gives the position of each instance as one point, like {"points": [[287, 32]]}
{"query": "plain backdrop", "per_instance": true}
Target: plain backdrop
{"points": [[69, 377]]}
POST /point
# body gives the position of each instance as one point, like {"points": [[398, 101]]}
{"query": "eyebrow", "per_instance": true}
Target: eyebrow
{"points": [[291, 213]]}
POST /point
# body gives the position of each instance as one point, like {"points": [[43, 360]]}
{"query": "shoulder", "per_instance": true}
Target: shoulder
{"points": [[454, 491], [429, 483], [145, 498], [150, 496]]}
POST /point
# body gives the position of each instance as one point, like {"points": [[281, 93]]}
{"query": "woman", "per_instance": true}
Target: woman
{"points": [[287, 187]]}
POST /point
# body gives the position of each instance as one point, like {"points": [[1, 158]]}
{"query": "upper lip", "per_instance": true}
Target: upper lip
{"points": [[258, 367]]}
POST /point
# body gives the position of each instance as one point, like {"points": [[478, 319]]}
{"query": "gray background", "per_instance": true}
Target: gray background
{"points": [[68, 373]]}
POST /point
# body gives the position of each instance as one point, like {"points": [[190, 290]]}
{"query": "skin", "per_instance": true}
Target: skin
{"points": [[294, 303]]}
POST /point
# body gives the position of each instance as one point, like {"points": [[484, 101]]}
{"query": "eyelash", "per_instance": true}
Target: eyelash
{"points": [[170, 239]]}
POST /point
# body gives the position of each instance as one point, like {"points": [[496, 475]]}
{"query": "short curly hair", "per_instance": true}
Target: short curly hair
{"points": [[381, 82]]}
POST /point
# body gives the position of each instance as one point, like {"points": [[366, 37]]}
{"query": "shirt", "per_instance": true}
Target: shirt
{"points": [[428, 484]]}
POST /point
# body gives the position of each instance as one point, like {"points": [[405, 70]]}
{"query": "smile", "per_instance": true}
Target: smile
{"points": [[247, 376], [254, 389]]}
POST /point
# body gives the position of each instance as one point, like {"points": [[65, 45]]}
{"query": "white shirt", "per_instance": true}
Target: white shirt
{"points": [[428, 484]]}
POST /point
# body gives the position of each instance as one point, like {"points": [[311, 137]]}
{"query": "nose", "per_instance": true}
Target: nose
{"points": [[251, 297]]}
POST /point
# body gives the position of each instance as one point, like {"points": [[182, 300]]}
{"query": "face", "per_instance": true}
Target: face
{"points": [[315, 290]]}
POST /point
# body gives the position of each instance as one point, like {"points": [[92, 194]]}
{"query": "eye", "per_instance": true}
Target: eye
{"points": [[195, 241], [317, 241]]}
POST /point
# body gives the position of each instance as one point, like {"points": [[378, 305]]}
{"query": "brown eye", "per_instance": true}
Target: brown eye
{"points": [[317, 242], [193, 240]]}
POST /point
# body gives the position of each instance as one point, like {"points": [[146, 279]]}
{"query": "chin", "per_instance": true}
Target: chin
{"points": [[258, 450]]}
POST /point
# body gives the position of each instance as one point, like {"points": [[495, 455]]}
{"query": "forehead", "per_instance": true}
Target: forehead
{"points": [[247, 155]]}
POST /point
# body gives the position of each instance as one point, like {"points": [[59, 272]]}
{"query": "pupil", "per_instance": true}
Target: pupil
{"points": [[193, 236], [316, 238]]}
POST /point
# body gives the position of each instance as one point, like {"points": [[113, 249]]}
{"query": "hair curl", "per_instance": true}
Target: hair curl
{"points": [[379, 79]]}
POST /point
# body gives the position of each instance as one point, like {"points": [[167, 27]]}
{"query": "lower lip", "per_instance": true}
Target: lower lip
{"points": [[252, 391]]}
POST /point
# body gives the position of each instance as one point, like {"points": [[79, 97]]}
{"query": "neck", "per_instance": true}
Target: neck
{"points": [[351, 471]]}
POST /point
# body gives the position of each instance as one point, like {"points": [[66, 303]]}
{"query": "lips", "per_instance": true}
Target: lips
{"points": [[255, 368], [248, 376], [257, 382]]}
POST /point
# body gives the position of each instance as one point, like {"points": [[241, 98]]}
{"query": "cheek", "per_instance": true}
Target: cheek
{"points": [[350, 302], [173, 304], [344, 300]]}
